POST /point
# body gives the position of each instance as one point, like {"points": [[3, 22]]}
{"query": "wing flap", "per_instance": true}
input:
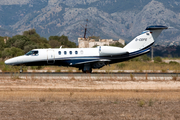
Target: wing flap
{"points": [[91, 61]]}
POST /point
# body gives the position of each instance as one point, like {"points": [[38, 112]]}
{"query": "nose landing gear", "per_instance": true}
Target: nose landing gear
{"points": [[21, 70]]}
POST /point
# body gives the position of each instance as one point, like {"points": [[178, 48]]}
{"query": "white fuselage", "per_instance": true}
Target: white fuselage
{"points": [[50, 56]]}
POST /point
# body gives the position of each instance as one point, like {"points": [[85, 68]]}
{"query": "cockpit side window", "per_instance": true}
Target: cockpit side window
{"points": [[33, 53]]}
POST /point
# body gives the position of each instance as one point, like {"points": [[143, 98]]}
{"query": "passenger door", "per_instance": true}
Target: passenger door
{"points": [[50, 57]]}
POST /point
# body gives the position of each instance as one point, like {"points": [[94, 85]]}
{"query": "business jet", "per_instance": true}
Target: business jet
{"points": [[87, 59]]}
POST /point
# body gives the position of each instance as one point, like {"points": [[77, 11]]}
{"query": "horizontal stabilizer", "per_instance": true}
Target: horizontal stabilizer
{"points": [[156, 27]]}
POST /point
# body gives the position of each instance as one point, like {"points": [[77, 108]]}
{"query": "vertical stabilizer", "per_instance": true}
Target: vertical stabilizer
{"points": [[146, 39]]}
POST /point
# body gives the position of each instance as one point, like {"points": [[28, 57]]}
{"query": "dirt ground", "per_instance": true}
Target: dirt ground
{"points": [[89, 99]]}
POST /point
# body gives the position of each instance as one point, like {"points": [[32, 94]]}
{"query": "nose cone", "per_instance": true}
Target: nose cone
{"points": [[9, 62], [12, 61]]}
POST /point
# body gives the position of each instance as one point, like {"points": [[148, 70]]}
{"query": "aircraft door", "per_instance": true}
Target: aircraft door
{"points": [[50, 57]]}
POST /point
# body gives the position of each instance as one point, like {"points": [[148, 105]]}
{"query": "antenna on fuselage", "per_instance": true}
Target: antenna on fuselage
{"points": [[60, 47]]}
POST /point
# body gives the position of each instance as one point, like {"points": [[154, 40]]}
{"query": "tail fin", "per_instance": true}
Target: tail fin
{"points": [[146, 39]]}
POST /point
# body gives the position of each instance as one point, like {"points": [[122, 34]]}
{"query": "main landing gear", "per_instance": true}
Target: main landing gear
{"points": [[87, 68], [87, 71]]}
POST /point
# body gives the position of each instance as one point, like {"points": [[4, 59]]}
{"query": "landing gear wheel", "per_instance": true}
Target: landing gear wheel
{"points": [[20, 70], [87, 71], [87, 68], [90, 71]]}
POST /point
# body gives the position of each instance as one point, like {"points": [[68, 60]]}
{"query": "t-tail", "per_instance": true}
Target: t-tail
{"points": [[146, 39]]}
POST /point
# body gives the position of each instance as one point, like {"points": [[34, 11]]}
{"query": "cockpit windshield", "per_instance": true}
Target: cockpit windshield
{"points": [[34, 53]]}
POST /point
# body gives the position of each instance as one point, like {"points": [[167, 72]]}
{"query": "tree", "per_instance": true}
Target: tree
{"points": [[54, 38], [17, 41], [95, 46], [57, 41], [29, 47], [117, 44], [29, 32], [2, 44], [54, 43], [12, 52], [64, 40], [28, 41], [0, 54]]}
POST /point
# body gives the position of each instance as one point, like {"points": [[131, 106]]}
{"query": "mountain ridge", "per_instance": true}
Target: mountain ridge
{"points": [[107, 18]]}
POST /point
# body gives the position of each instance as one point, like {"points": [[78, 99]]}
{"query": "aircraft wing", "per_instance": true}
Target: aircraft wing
{"points": [[91, 61]]}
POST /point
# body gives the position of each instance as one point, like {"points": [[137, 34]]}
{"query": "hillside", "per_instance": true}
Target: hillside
{"points": [[107, 18]]}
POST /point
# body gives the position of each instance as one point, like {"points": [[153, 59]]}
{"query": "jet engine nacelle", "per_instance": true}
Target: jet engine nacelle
{"points": [[111, 51]]}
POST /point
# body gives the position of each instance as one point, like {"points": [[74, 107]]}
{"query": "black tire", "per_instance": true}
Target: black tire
{"points": [[87, 71], [21, 71]]}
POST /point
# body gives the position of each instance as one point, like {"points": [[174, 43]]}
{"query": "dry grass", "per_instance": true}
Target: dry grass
{"points": [[89, 105], [51, 94], [140, 66], [46, 98]]}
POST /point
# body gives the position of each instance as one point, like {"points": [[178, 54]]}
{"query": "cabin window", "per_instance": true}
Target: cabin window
{"points": [[70, 52], [81, 51], [76, 52], [33, 53], [59, 52], [65, 52]]}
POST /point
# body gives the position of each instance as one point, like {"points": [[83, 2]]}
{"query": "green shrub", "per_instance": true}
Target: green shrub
{"points": [[150, 102], [11, 52], [174, 77], [145, 58], [135, 59], [0, 54], [158, 59], [36, 67], [58, 70], [8, 68], [1, 63], [42, 99], [173, 63], [141, 103], [121, 65], [132, 76]]}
